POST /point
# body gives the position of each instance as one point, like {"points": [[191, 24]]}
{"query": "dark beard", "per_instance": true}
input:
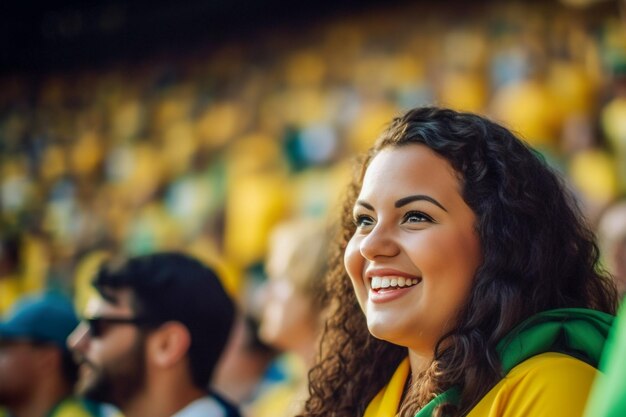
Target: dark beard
{"points": [[119, 382]]}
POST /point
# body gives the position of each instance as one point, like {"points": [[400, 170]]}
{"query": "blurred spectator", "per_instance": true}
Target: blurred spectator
{"points": [[37, 373], [246, 369], [23, 267], [10, 284], [613, 121], [293, 310], [151, 341], [612, 240]]}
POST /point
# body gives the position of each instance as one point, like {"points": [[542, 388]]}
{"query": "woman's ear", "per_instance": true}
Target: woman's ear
{"points": [[168, 345]]}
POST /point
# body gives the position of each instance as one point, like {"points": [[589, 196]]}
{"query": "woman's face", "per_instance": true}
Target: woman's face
{"points": [[415, 251], [288, 320]]}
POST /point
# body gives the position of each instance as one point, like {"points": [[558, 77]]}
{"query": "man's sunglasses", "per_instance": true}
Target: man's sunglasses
{"points": [[98, 325]]}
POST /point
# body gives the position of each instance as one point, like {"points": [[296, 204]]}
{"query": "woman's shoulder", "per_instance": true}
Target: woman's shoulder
{"points": [[548, 384], [551, 365]]}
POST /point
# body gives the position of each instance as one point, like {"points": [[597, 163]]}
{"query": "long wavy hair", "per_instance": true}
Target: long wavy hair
{"points": [[539, 254]]}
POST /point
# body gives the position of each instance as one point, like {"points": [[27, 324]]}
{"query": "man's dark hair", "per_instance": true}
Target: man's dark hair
{"points": [[175, 287]]}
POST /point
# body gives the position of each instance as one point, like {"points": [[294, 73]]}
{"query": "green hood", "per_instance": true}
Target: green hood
{"points": [[578, 332]]}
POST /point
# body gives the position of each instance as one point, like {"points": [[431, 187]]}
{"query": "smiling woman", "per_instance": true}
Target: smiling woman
{"points": [[420, 231], [462, 260]]}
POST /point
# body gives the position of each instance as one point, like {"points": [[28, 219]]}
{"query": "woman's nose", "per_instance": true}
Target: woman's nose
{"points": [[379, 242]]}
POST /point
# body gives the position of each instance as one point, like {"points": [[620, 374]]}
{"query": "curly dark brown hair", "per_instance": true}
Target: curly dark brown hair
{"points": [[539, 254]]}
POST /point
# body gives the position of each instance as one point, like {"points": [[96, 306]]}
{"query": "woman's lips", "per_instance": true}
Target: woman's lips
{"points": [[384, 295], [384, 288]]}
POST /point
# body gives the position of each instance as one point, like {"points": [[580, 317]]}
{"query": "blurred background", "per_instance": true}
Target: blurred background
{"points": [[131, 127]]}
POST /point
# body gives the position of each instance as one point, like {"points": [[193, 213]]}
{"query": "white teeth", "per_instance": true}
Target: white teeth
{"points": [[393, 282], [376, 282]]}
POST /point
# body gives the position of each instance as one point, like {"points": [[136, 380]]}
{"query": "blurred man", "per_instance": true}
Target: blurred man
{"points": [[37, 374], [150, 343]]}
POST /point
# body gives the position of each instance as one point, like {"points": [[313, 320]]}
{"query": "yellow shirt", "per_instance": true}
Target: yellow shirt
{"points": [[285, 398], [550, 385], [546, 385]]}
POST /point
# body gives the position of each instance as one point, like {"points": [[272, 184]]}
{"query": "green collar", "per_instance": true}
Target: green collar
{"points": [[578, 332]]}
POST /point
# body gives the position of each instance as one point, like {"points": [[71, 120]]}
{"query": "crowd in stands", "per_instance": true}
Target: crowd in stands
{"points": [[207, 152]]}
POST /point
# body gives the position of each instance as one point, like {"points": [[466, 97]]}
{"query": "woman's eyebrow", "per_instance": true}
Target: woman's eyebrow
{"points": [[419, 197], [364, 204]]}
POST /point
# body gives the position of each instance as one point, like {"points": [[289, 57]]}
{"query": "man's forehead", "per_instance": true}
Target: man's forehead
{"points": [[97, 304]]}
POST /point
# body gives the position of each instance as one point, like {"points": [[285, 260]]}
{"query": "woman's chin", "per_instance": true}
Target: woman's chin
{"points": [[383, 331]]}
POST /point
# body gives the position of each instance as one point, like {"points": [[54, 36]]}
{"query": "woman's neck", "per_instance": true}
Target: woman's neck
{"points": [[419, 362]]}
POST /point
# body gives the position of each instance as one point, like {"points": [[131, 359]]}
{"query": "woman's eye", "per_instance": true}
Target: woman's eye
{"points": [[416, 217], [363, 221]]}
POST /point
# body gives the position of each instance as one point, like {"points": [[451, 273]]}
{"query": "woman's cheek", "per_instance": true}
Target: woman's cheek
{"points": [[351, 258], [355, 265]]}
